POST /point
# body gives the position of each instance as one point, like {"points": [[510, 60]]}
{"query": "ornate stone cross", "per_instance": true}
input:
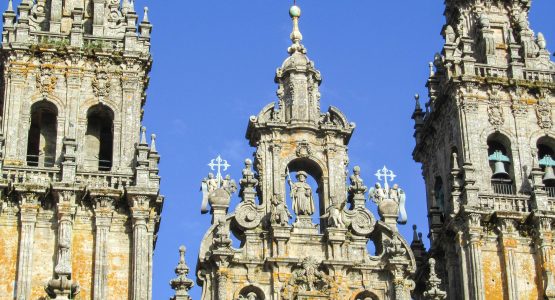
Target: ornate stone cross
{"points": [[220, 164], [385, 174]]}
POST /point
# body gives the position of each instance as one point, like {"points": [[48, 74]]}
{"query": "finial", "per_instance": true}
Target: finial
{"points": [[145, 16], [10, 6], [153, 143], [181, 284], [143, 135], [132, 5], [296, 35], [417, 99], [455, 161], [415, 233], [182, 250]]}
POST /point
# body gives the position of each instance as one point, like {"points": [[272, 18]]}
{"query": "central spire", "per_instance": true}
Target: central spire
{"points": [[298, 80], [296, 35]]}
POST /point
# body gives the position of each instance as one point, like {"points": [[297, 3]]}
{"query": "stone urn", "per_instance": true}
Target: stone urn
{"points": [[219, 200], [388, 210]]}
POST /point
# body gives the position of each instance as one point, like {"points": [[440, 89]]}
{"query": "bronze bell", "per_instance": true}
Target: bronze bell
{"points": [[549, 174], [500, 171]]}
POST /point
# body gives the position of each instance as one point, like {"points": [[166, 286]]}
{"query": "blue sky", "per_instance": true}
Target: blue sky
{"points": [[214, 64]]}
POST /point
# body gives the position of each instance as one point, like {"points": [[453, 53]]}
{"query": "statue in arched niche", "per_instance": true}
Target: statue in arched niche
{"points": [[301, 195]]}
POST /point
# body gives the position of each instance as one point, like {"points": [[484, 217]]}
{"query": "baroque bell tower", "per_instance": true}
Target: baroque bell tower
{"points": [[486, 143], [79, 184]]}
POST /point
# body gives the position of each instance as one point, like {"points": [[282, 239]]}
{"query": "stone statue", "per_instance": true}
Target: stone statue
{"points": [[378, 194], [301, 195], [211, 183], [450, 36], [279, 214], [248, 175], [229, 184], [357, 184], [335, 219], [398, 195]]}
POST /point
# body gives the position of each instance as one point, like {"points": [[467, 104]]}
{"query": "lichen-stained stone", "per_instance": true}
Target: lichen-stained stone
{"points": [[83, 261], [76, 74], [486, 142], [8, 259]]}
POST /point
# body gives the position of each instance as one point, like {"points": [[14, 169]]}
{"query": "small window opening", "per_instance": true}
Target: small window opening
{"points": [[99, 139], [546, 161], [41, 142], [500, 161]]}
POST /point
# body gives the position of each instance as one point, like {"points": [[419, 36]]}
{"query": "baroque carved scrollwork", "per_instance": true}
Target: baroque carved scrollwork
{"points": [[46, 81], [543, 112], [303, 149]]}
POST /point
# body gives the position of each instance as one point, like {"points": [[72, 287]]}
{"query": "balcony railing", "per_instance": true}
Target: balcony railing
{"points": [[98, 165], [41, 161], [503, 188], [488, 71], [505, 203], [550, 191]]}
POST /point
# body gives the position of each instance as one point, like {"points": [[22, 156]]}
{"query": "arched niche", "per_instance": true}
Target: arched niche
{"points": [[546, 159], [365, 295], [312, 169], [99, 138], [501, 163], [42, 137], [250, 292]]}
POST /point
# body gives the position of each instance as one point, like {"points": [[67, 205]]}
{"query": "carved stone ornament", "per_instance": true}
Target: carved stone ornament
{"points": [[247, 215], [363, 222], [303, 149], [543, 112], [46, 82], [495, 113], [101, 85], [307, 280]]}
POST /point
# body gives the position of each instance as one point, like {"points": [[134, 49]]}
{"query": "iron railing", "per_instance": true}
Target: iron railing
{"points": [[41, 161], [503, 188]]}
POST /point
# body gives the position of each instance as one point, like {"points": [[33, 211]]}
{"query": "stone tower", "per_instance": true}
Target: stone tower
{"points": [[281, 253], [486, 143], [79, 196]]}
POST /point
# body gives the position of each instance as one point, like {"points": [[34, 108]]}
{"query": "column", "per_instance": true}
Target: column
{"points": [[543, 244], [29, 206], [61, 287], [508, 245], [474, 237], [140, 213], [103, 220]]}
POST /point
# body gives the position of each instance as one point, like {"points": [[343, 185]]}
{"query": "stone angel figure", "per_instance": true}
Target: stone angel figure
{"points": [[378, 194], [208, 185], [398, 195]]}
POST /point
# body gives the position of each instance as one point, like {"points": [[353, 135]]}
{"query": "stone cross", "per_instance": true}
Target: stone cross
{"points": [[387, 175], [220, 164]]}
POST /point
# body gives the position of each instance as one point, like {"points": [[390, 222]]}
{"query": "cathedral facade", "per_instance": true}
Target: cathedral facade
{"points": [[80, 199], [79, 185]]}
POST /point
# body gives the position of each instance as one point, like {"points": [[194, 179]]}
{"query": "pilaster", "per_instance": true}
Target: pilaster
{"points": [[473, 248], [28, 208], [104, 204]]}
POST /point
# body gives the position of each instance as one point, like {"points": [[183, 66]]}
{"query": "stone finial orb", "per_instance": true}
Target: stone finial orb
{"points": [[295, 11], [219, 198]]}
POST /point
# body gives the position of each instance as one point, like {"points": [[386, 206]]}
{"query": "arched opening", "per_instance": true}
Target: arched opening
{"points": [[439, 194], [251, 293], [500, 160], [99, 138], [546, 160], [366, 295], [305, 192], [41, 142]]}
